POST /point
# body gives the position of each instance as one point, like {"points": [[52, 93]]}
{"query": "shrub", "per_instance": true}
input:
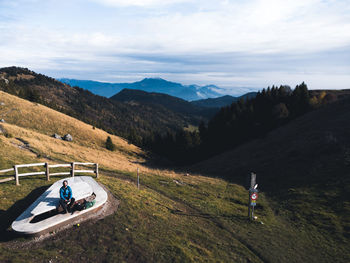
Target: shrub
{"points": [[8, 135], [109, 144]]}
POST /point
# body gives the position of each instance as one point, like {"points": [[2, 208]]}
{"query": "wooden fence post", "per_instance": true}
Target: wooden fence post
{"points": [[96, 169], [16, 174], [47, 171], [72, 171], [138, 179]]}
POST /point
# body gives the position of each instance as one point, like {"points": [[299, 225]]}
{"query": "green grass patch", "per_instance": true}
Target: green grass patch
{"points": [[184, 219]]}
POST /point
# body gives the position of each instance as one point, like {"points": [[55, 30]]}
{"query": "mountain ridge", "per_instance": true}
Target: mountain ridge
{"points": [[222, 101], [164, 100], [159, 85], [129, 121]]}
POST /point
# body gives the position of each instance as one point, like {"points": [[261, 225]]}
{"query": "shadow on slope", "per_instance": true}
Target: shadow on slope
{"points": [[304, 167], [8, 216], [313, 149]]}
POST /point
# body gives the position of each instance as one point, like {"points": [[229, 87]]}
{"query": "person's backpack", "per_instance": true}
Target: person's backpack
{"points": [[89, 204], [79, 206]]}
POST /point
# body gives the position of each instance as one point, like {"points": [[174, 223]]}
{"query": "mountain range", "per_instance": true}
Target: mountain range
{"points": [[222, 101], [133, 114], [186, 92], [175, 104]]}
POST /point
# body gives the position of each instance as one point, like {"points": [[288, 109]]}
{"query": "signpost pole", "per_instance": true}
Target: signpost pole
{"points": [[251, 201], [138, 179]]}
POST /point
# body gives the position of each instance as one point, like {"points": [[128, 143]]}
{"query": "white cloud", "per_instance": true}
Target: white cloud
{"points": [[267, 26], [100, 37], [262, 26], [141, 3]]}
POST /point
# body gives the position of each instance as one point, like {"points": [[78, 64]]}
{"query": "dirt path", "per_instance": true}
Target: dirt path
{"points": [[193, 211]]}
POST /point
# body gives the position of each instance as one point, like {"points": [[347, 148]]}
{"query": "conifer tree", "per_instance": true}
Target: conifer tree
{"points": [[109, 144]]}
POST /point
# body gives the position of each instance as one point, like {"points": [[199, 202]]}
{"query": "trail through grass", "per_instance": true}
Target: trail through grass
{"points": [[176, 219]]}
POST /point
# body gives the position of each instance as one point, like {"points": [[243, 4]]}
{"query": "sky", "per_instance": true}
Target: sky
{"points": [[237, 45]]}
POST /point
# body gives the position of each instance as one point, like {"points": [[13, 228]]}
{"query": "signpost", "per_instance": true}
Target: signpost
{"points": [[253, 195]]}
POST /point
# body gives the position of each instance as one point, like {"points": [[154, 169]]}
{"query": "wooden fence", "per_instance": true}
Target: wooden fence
{"points": [[47, 172]]}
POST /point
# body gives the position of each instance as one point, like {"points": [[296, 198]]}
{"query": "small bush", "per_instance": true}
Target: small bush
{"points": [[8, 135], [109, 144]]}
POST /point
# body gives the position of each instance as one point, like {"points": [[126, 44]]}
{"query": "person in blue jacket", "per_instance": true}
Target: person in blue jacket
{"points": [[66, 197]]}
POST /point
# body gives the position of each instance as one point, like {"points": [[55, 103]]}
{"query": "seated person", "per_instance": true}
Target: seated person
{"points": [[66, 199]]}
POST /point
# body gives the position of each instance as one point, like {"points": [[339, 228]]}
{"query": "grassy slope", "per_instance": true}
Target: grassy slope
{"points": [[172, 218], [304, 169], [35, 124]]}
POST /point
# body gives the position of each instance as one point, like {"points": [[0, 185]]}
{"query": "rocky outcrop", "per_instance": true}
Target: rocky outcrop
{"points": [[56, 136], [68, 137]]}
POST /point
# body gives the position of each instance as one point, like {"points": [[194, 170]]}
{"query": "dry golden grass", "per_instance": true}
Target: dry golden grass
{"points": [[36, 123], [48, 147], [62, 151], [44, 120], [11, 154]]}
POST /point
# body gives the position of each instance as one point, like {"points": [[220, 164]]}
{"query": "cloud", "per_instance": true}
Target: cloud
{"points": [[259, 27], [231, 43], [141, 3], [268, 26]]}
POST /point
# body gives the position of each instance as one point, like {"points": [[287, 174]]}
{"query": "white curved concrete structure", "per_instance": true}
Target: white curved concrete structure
{"points": [[82, 187]]}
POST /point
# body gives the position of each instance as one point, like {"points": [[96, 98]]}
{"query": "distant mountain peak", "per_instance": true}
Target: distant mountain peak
{"points": [[155, 78], [157, 82], [151, 79], [159, 85]]}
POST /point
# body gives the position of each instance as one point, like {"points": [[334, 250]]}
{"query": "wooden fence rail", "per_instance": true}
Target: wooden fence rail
{"points": [[47, 167]]}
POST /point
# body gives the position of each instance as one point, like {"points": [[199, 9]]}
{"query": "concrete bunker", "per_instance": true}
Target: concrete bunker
{"points": [[42, 216]]}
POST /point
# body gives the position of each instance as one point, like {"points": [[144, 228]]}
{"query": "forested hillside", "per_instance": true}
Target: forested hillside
{"points": [[196, 114], [131, 121], [168, 125], [242, 121], [222, 101]]}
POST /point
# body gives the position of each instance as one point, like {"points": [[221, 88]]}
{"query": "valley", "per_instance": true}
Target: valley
{"points": [[187, 213]]}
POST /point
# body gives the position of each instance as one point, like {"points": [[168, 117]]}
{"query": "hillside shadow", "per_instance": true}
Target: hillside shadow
{"points": [[9, 215]]}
